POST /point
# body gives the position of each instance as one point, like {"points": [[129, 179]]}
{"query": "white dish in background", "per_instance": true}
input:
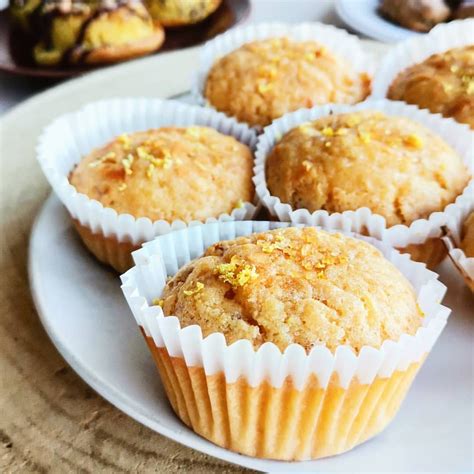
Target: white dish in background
{"points": [[83, 310], [363, 17]]}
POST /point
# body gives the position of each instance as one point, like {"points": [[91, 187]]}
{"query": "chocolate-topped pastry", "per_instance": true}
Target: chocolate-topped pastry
{"points": [[418, 15], [93, 32]]}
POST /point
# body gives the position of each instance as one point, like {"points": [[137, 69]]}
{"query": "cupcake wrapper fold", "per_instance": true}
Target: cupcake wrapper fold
{"points": [[452, 239], [416, 49], [338, 41], [230, 385], [69, 138], [363, 220]]}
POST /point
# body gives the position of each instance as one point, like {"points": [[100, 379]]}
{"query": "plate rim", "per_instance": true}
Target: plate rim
{"points": [[115, 397]]}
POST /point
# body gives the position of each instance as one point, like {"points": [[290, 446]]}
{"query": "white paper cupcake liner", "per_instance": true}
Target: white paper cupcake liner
{"points": [[453, 238], [163, 256], [418, 48], [69, 138], [363, 220], [338, 41]]}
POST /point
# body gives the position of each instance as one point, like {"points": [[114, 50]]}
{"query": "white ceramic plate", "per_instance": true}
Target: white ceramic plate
{"points": [[363, 17], [82, 308]]}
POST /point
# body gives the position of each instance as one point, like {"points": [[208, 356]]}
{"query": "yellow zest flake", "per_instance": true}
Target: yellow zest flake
{"points": [[422, 313], [454, 68], [327, 131], [237, 273], [122, 187], [150, 170], [353, 121], [365, 137], [470, 87], [127, 164], [108, 156], [305, 128], [158, 302], [194, 132], [327, 143], [144, 154], [199, 287], [264, 86], [266, 71], [342, 131], [447, 87], [268, 246], [124, 140], [240, 204], [414, 141], [307, 165]]}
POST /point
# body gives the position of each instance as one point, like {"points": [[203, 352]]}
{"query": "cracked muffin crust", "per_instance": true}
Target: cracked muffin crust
{"points": [[443, 83], [392, 165], [170, 173], [294, 285], [262, 80]]}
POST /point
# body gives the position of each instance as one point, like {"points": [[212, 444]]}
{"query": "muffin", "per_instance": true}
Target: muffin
{"points": [[294, 286], [264, 79], [102, 31], [467, 242], [417, 15], [171, 174], [289, 344], [365, 159], [179, 12], [443, 83]]}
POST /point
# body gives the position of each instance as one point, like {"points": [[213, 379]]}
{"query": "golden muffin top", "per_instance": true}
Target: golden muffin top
{"points": [[262, 80], [294, 285], [443, 83], [467, 242], [168, 173], [394, 166]]}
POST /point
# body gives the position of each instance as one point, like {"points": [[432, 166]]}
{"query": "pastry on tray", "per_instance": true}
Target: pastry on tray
{"points": [[442, 83], [417, 15], [181, 12], [288, 344], [95, 32]]}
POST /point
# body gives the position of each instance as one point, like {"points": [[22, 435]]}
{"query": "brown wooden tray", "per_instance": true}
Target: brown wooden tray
{"points": [[15, 48]]}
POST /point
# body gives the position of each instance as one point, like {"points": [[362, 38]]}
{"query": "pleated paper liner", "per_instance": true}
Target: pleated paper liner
{"points": [[421, 239], [452, 239], [289, 406], [336, 40], [416, 49], [108, 235]]}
